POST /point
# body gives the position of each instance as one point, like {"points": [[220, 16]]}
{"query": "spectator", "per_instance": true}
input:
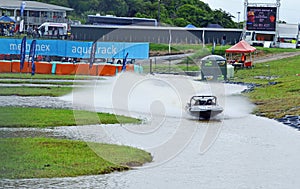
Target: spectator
{"points": [[224, 40]]}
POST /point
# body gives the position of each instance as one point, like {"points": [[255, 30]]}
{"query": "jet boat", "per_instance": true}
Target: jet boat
{"points": [[203, 107]]}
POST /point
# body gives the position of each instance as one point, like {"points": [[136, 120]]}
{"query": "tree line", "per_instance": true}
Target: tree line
{"points": [[168, 12]]}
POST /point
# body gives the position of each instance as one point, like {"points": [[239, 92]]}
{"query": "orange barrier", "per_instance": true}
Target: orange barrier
{"points": [[5, 66], [107, 70], [43, 68], [130, 67], [15, 67], [118, 67], [66, 69], [84, 69]]}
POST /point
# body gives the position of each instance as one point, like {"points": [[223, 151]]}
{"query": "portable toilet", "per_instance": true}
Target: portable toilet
{"points": [[213, 67]]}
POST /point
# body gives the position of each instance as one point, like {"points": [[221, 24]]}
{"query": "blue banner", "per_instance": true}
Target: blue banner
{"points": [[32, 54], [22, 8], [124, 62], [32, 48], [22, 52], [93, 53], [78, 49]]}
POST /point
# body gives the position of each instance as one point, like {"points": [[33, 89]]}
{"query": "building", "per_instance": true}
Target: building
{"points": [[35, 13], [120, 21]]}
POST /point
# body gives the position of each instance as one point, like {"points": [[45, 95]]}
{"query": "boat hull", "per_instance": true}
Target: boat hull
{"points": [[203, 107], [204, 112]]}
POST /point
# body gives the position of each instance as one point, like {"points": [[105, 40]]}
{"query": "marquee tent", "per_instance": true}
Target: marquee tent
{"points": [[241, 48], [6, 20]]}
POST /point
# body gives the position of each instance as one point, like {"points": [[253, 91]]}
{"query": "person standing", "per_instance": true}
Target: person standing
{"points": [[224, 40]]}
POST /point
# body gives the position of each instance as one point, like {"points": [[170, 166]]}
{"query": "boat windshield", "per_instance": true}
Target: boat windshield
{"points": [[203, 100]]}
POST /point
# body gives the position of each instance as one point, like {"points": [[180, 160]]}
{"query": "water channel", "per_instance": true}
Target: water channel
{"points": [[234, 150]]}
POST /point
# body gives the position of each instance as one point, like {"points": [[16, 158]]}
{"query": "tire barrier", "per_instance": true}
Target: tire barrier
{"points": [[60, 68], [250, 86], [291, 120]]}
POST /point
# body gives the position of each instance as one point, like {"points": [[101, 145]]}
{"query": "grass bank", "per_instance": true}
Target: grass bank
{"points": [[196, 53], [53, 91], [46, 158], [44, 117], [280, 87], [62, 86], [44, 82], [43, 76]]}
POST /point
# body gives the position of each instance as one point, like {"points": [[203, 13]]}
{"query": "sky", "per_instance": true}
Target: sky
{"points": [[288, 11]]}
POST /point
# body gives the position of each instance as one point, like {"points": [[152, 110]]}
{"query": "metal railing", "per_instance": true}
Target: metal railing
{"points": [[39, 20]]}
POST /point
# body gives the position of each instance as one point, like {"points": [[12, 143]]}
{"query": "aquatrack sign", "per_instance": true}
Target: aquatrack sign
{"points": [[78, 49]]}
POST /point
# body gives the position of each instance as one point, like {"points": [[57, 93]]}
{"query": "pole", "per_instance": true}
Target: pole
{"points": [[187, 64], [245, 12], [239, 19], [170, 41], [158, 12], [151, 66]]}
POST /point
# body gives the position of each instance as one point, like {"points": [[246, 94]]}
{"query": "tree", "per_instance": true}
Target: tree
{"points": [[172, 12]]}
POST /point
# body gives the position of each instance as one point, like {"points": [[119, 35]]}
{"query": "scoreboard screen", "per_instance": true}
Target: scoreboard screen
{"points": [[261, 18]]}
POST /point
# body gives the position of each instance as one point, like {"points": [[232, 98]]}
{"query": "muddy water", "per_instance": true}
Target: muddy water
{"points": [[234, 150]]}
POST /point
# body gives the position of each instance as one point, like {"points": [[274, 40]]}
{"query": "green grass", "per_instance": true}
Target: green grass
{"points": [[164, 68], [34, 91], [45, 82], [276, 50], [43, 76], [46, 158], [160, 47], [44, 117], [275, 101]]}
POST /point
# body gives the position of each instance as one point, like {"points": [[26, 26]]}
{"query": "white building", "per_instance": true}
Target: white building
{"points": [[35, 13]]}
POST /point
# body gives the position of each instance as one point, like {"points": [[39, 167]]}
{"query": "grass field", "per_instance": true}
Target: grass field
{"points": [[43, 76], [34, 91], [279, 94], [44, 117], [46, 158]]}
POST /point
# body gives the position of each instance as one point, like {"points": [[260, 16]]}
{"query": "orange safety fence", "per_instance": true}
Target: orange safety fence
{"points": [[106, 70], [63, 68], [66, 69], [43, 68], [5, 66], [84, 69], [118, 67], [130, 67], [15, 67]]}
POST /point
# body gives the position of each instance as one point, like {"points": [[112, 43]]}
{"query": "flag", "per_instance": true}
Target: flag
{"points": [[21, 27], [22, 53], [32, 48], [93, 53], [23, 4], [124, 62], [32, 55]]}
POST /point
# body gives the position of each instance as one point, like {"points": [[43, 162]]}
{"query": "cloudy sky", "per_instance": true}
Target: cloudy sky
{"points": [[289, 10]]}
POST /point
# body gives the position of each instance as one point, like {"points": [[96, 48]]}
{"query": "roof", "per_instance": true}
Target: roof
{"points": [[213, 57], [241, 47], [190, 26], [214, 26], [31, 5]]}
